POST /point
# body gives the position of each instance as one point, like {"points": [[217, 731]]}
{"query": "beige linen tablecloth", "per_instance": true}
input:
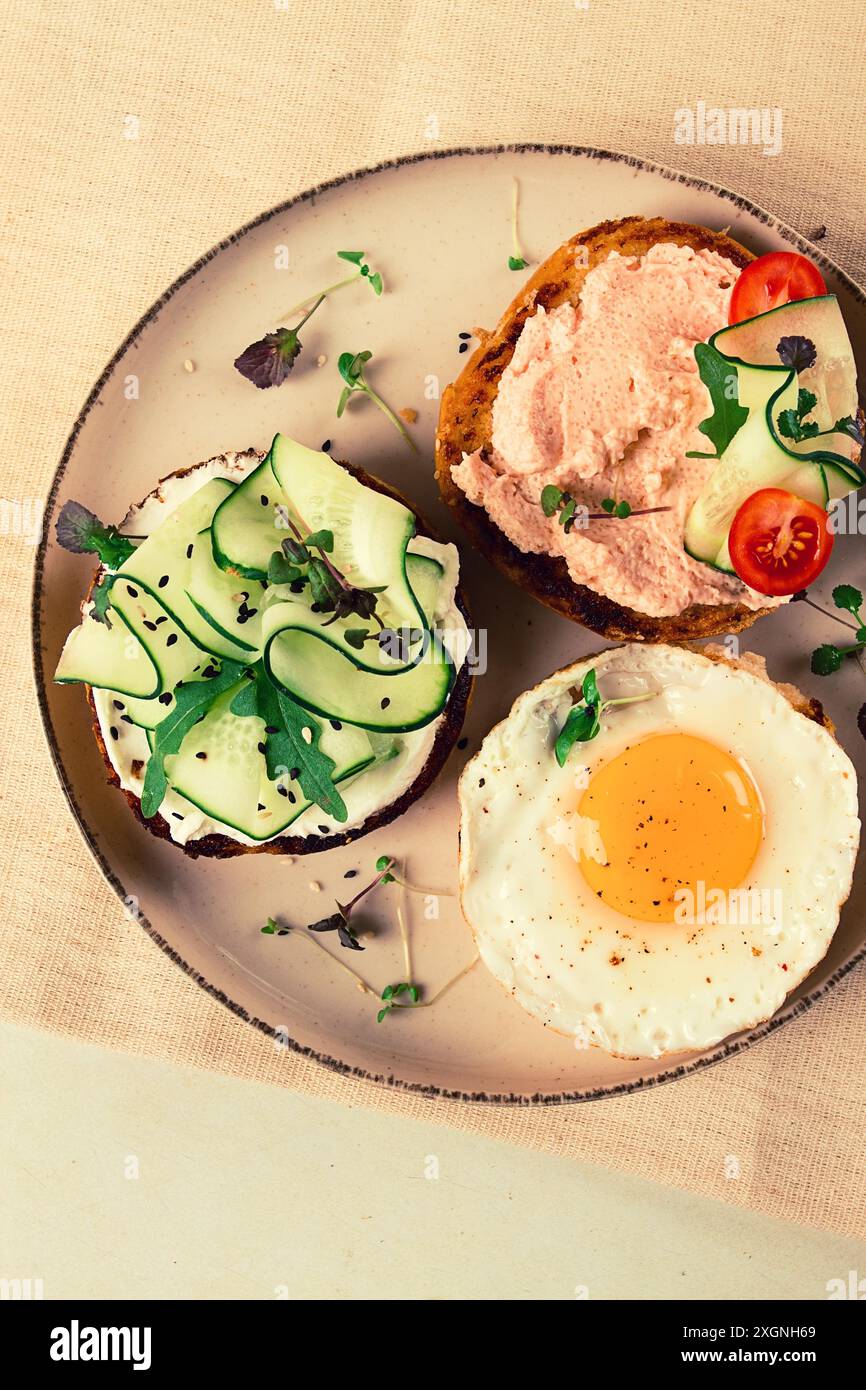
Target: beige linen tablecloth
{"points": [[240, 104]]}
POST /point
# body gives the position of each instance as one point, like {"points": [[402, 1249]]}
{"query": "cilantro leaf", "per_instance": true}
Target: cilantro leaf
{"points": [[101, 599], [847, 597], [850, 425], [356, 257], [81, 532], [720, 379], [826, 659], [797, 352], [192, 700], [791, 422]]}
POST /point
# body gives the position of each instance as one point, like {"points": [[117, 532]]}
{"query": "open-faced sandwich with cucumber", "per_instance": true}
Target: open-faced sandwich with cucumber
{"points": [[274, 649], [652, 438]]}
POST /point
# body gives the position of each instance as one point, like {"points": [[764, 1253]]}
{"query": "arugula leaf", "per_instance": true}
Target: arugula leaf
{"points": [[797, 352], [288, 747], [720, 379], [80, 531], [192, 701]]}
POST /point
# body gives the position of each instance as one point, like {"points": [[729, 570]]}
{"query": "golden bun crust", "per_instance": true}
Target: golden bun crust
{"points": [[217, 846], [465, 425]]}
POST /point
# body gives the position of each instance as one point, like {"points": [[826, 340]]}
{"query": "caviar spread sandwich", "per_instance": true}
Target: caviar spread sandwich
{"points": [[274, 649], [651, 439]]}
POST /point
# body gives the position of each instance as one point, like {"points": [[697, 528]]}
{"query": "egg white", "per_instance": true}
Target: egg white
{"points": [[642, 989]]}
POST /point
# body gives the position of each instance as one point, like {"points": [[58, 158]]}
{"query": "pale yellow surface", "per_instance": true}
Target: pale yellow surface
{"points": [[237, 106], [247, 1191]]}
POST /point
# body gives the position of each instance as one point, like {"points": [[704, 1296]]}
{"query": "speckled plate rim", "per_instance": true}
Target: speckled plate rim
{"points": [[705, 1059]]}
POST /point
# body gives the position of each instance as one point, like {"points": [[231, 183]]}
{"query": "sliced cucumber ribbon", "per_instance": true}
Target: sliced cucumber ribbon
{"points": [[757, 455]]}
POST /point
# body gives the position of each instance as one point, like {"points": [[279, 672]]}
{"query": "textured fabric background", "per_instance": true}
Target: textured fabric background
{"points": [[240, 105]]}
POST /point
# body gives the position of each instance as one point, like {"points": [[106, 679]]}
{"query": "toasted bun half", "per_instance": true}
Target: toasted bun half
{"points": [[219, 846], [465, 424]]}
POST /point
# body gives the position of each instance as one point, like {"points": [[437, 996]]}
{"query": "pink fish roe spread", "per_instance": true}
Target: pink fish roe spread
{"points": [[604, 400]]}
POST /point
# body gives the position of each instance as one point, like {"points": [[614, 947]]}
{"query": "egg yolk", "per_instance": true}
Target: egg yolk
{"points": [[672, 811]]}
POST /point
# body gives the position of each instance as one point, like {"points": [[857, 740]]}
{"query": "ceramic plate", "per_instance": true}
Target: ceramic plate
{"points": [[438, 228]]}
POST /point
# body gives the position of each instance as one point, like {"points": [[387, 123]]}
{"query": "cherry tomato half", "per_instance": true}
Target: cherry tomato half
{"points": [[778, 542], [773, 280]]}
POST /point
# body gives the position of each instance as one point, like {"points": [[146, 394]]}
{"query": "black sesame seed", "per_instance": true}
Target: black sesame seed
{"points": [[260, 806], [351, 873], [113, 732], [283, 791], [292, 797], [133, 593], [151, 627], [261, 748], [464, 336], [464, 347], [189, 551], [481, 781], [271, 729], [295, 774], [384, 703], [296, 586], [264, 501], [165, 697], [335, 724], [163, 581], [126, 719], [201, 755], [462, 743], [177, 815], [323, 830], [118, 704], [171, 639], [251, 612], [163, 619], [326, 447]]}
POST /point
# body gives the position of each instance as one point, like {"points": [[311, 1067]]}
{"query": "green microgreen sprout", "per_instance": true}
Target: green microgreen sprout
{"points": [[363, 272], [81, 531], [517, 260], [339, 921], [351, 368], [829, 657], [556, 502], [307, 560], [583, 721]]}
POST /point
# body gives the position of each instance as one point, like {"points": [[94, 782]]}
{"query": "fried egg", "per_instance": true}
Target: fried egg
{"points": [[680, 874]]}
